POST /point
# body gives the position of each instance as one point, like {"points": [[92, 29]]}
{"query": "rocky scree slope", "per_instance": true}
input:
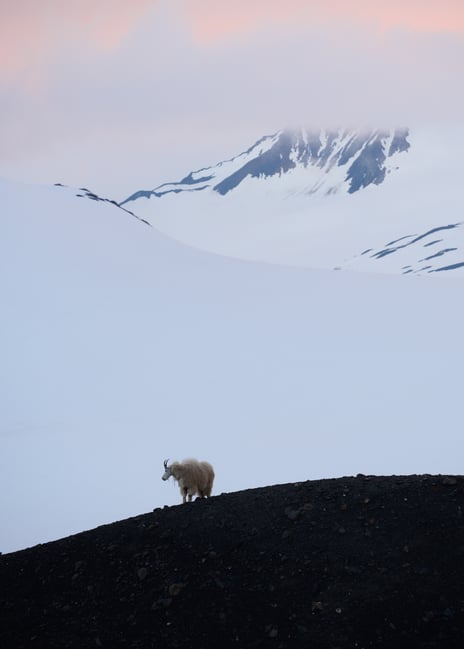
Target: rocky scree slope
{"points": [[351, 562]]}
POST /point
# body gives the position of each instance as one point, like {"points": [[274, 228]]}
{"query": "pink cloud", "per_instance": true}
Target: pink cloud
{"points": [[30, 31], [217, 20]]}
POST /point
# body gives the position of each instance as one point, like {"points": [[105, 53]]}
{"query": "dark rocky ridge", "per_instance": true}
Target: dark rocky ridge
{"points": [[350, 562]]}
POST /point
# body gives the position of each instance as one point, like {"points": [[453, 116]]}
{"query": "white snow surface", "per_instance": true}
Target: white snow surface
{"points": [[306, 217], [121, 347]]}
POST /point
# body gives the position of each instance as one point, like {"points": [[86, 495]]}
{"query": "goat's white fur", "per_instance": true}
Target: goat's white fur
{"points": [[192, 476]]}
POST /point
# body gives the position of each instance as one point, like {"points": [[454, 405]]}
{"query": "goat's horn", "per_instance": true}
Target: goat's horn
{"points": [[166, 463]]}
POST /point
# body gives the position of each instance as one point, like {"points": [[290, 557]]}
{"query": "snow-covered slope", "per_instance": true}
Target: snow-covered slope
{"points": [[121, 347], [323, 199]]}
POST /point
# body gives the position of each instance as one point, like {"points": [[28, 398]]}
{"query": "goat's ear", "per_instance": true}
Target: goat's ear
{"points": [[166, 463]]}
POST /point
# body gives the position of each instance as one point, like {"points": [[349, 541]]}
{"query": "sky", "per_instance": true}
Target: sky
{"points": [[121, 96]]}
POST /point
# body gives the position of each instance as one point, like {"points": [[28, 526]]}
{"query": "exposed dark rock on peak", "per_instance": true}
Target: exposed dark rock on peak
{"points": [[276, 160], [399, 142], [353, 562], [369, 167]]}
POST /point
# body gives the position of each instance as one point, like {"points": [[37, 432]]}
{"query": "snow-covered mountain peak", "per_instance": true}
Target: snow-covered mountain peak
{"points": [[299, 161]]}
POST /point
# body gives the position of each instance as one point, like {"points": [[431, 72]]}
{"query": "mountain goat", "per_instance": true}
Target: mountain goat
{"points": [[192, 476]]}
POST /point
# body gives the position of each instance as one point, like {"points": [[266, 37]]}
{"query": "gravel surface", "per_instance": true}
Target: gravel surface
{"points": [[355, 562]]}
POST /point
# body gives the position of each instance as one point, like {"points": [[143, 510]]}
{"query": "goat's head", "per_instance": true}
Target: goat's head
{"points": [[167, 471]]}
